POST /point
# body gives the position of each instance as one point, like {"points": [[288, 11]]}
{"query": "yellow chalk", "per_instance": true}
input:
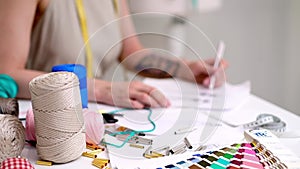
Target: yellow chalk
{"points": [[94, 147], [46, 163], [86, 154], [101, 160], [150, 156], [154, 153], [99, 165], [136, 146], [95, 152]]}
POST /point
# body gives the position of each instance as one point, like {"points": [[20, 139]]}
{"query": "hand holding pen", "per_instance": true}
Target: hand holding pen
{"points": [[220, 53], [210, 72]]}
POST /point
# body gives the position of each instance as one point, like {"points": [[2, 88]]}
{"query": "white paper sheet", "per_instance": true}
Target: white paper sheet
{"points": [[185, 94]]}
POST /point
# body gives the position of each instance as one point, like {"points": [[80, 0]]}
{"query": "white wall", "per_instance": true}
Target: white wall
{"points": [[262, 39], [292, 71]]}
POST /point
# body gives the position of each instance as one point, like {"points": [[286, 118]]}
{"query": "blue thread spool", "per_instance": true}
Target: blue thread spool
{"points": [[80, 71]]}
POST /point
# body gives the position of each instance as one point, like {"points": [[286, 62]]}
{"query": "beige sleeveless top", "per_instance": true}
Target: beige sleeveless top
{"points": [[57, 37]]}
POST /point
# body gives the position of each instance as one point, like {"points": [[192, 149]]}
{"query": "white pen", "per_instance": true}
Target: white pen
{"points": [[186, 130], [220, 53]]}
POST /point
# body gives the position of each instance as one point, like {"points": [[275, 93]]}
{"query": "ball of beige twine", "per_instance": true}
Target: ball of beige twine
{"points": [[58, 116], [9, 106], [12, 136]]}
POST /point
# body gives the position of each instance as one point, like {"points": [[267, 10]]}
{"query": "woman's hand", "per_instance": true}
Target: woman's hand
{"points": [[133, 94], [202, 71]]}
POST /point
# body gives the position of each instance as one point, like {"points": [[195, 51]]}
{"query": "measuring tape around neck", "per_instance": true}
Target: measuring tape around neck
{"points": [[85, 36], [267, 121]]}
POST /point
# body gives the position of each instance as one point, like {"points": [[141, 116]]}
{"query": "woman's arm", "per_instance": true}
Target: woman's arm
{"points": [[16, 20], [159, 64]]}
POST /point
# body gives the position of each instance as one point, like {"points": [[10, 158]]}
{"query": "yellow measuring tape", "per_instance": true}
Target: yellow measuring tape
{"points": [[85, 35]]}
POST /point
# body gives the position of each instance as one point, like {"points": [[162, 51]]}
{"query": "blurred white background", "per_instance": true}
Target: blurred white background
{"points": [[262, 43]]}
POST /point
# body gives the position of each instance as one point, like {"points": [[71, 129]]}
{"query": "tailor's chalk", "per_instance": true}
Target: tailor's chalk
{"points": [[147, 150], [178, 147], [41, 162], [136, 146], [157, 154], [187, 143], [149, 156], [101, 160], [180, 151], [86, 154], [168, 151], [200, 148], [98, 165], [94, 147], [183, 131], [162, 148], [95, 152], [135, 139]]}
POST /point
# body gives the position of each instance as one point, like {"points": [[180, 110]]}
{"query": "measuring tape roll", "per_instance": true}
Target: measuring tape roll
{"points": [[278, 125], [267, 121]]}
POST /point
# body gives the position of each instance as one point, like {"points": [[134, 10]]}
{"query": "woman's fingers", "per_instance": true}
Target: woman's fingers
{"points": [[148, 95], [219, 76], [136, 95], [135, 104], [160, 98], [211, 61], [145, 99]]}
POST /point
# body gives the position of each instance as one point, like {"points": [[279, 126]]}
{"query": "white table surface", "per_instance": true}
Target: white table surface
{"points": [[249, 110]]}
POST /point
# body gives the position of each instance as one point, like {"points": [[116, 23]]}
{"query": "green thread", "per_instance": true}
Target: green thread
{"points": [[121, 145], [131, 133]]}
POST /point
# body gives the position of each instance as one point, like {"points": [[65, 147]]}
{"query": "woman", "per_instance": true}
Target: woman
{"points": [[38, 34]]}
